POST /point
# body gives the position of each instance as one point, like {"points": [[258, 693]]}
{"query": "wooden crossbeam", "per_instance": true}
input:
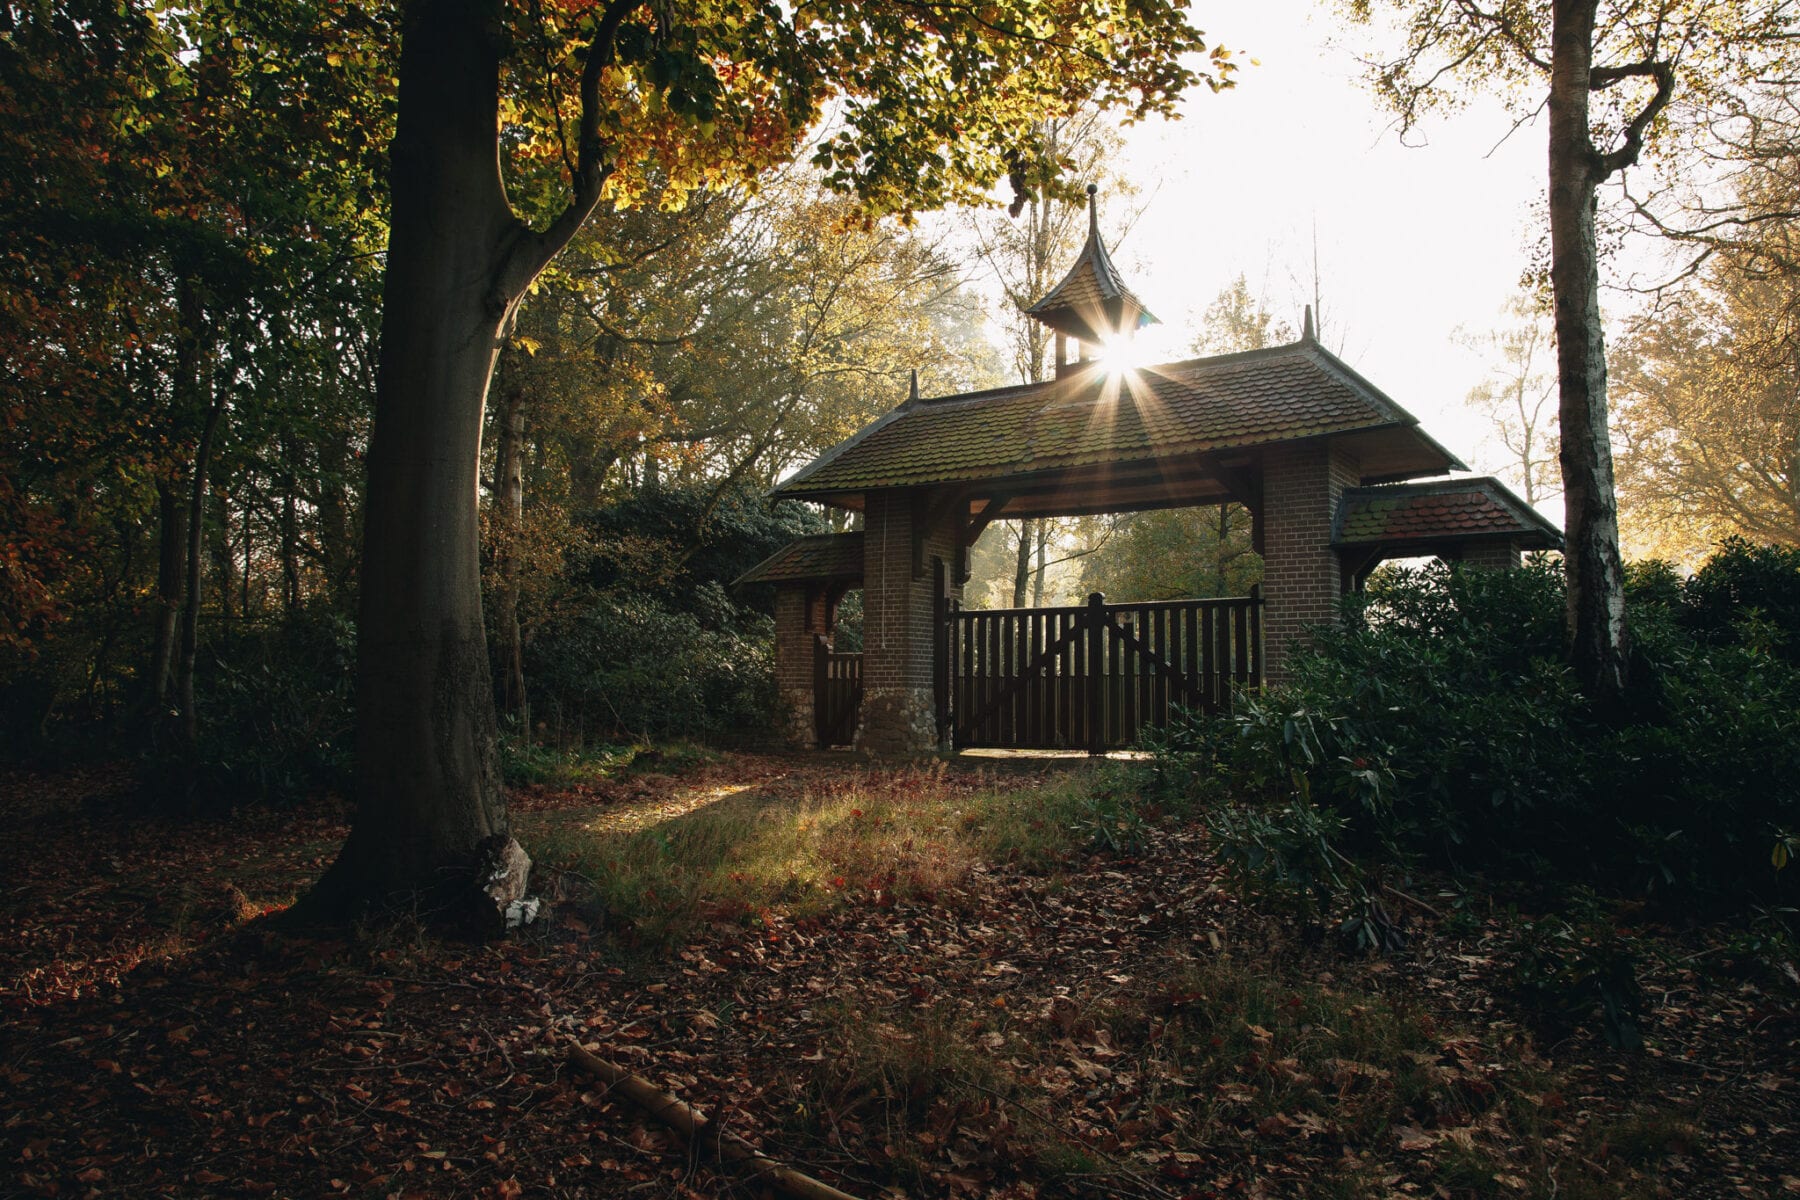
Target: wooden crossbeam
{"points": [[1025, 675], [1132, 642]]}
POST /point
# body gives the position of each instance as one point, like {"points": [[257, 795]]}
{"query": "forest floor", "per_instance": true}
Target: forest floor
{"points": [[966, 981]]}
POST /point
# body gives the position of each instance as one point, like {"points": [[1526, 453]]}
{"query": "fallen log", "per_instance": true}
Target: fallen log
{"points": [[700, 1132]]}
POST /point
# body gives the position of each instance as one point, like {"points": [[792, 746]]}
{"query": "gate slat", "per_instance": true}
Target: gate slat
{"points": [[1241, 624], [997, 635], [1039, 684], [1094, 676]]}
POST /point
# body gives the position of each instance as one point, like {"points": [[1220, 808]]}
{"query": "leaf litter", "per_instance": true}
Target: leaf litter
{"points": [[1095, 1026]]}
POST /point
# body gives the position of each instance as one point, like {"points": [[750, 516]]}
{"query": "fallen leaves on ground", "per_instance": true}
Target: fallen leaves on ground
{"points": [[1112, 1026]]}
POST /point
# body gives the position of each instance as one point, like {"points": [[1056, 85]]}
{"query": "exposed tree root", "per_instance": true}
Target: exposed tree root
{"points": [[701, 1132]]}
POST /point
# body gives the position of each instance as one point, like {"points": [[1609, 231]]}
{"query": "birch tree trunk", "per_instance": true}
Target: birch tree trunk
{"points": [[1595, 616]]}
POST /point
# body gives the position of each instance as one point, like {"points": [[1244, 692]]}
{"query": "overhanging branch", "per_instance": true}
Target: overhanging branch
{"points": [[1628, 150], [531, 252]]}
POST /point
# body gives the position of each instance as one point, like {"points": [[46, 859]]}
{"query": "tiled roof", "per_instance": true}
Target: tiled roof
{"points": [[1093, 417], [1451, 510], [1092, 300], [819, 558]]}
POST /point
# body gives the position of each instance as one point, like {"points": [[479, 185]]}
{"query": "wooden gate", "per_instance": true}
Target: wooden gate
{"points": [[1095, 675], [837, 693]]}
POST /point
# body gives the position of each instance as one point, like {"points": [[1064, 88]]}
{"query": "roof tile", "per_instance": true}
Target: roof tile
{"points": [[818, 558], [1092, 417], [1426, 512]]}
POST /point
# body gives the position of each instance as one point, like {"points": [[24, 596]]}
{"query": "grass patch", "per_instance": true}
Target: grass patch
{"points": [[527, 764], [886, 835]]}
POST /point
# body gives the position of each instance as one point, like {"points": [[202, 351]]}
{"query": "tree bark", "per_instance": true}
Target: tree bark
{"points": [[336, 538], [1022, 564], [1221, 554], [1043, 554], [1595, 615], [427, 773], [430, 829], [509, 510], [190, 612], [222, 556], [170, 572], [290, 528]]}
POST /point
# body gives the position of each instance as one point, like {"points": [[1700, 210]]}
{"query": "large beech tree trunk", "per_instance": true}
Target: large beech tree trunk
{"points": [[430, 829], [427, 773]]}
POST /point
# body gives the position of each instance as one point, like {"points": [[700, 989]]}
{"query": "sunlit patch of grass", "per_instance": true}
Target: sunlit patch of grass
{"points": [[883, 835], [526, 763]]}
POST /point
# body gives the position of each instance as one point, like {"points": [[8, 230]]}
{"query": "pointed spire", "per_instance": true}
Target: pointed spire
{"points": [[912, 392], [1306, 329], [1092, 303]]}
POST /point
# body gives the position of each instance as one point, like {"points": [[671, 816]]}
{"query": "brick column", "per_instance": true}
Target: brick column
{"points": [[799, 616], [1302, 579], [899, 639], [1493, 554]]}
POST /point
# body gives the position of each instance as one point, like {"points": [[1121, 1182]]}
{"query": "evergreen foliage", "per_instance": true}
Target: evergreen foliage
{"points": [[643, 636], [1441, 726]]}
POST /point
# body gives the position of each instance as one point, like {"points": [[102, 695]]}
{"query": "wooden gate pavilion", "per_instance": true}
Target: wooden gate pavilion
{"points": [[1317, 454]]}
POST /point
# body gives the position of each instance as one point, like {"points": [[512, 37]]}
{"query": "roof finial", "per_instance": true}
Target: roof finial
{"points": [[1093, 211], [912, 395], [1306, 329]]}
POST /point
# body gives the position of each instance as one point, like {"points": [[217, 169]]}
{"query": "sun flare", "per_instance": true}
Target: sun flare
{"points": [[1121, 354]]}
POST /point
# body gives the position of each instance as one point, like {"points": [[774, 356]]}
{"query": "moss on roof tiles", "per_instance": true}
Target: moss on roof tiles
{"points": [[1092, 417], [819, 558], [1438, 512]]}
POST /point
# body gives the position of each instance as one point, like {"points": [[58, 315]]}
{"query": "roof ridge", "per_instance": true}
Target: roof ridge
{"points": [[1147, 369], [1255, 397]]}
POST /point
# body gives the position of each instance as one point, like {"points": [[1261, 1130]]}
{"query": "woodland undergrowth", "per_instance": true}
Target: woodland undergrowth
{"points": [[936, 981]]}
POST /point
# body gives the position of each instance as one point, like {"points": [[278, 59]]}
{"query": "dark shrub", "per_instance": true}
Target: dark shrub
{"points": [[1439, 724], [645, 636], [626, 665], [1746, 593], [277, 717]]}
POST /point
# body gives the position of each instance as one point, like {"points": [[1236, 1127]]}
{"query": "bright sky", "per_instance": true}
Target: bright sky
{"points": [[1413, 241]]}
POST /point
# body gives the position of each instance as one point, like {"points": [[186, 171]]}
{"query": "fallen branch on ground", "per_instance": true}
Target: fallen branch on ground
{"points": [[700, 1132], [1408, 896]]}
